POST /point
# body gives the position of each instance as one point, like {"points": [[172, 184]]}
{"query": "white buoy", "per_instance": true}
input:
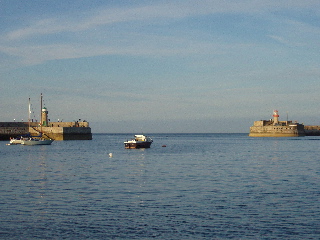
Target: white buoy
{"points": [[110, 155]]}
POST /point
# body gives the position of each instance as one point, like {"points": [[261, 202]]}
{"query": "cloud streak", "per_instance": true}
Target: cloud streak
{"points": [[123, 30], [167, 12]]}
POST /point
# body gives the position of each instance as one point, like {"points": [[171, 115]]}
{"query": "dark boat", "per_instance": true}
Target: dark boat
{"points": [[139, 141]]}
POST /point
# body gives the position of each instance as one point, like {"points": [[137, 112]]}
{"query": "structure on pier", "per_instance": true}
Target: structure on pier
{"points": [[77, 130], [276, 128]]}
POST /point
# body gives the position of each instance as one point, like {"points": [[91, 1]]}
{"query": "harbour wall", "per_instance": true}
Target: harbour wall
{"points": [[12, 129], [277, 131], [54, 130], [265, 128], [312, 130]]}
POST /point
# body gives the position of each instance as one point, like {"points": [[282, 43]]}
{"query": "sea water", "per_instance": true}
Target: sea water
{"points": [[200, 186]]}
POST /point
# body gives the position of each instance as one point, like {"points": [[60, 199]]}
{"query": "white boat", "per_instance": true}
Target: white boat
{"points": [[36, 141], [139, 141], [39, 140]]}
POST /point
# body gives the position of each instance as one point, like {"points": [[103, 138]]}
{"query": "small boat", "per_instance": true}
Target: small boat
{"points": [[36, 141], [139, 141]]}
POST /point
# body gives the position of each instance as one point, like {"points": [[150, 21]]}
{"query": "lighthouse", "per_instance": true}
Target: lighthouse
{"points": [[44, 117], [275, 117]]}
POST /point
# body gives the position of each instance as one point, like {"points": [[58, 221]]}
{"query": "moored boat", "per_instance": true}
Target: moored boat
{"points": [[139, 141], [38, 140]]}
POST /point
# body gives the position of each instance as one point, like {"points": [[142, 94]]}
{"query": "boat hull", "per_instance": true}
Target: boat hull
{"points": [[37, 142], [137, 145]]}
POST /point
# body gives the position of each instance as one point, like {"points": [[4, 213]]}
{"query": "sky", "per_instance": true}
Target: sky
{"points": [[205, 66]]}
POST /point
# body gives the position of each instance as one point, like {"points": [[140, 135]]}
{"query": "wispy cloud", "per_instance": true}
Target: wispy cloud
{"points": [[110, 26], [167, 11]]}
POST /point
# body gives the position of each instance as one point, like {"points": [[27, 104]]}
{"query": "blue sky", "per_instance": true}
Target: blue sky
{"points": [[161, 66]]}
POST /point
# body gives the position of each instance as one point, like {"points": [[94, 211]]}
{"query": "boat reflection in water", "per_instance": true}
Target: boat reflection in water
{"points": [[139, 141]]}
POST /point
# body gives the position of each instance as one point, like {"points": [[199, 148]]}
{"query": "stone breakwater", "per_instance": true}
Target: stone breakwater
{"points": [[267, 128], [312, 130], [54, 130]]}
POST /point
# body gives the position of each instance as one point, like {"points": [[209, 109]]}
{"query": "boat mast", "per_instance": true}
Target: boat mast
{"points": [[41, 113], [29, 115]]}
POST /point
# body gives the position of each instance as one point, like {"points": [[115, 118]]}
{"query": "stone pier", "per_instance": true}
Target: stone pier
{"points": [[54, 130]]}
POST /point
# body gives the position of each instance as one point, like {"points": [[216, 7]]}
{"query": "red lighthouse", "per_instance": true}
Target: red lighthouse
{"points": [[275, 117]]}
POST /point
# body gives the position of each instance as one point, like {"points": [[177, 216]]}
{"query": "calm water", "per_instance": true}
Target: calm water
{"points": [[201, 186]]}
